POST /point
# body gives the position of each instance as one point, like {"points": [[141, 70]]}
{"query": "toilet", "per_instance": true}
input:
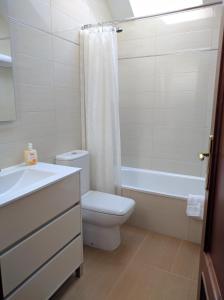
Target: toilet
{"points": [[102, 213]]}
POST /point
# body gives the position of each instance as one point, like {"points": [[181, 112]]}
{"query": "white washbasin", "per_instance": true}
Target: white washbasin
{"points": [[21, 180]]}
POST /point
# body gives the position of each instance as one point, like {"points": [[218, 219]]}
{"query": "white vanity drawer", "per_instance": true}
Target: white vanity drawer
{"points": [[24, 216], [50, 277], [21, 261]]}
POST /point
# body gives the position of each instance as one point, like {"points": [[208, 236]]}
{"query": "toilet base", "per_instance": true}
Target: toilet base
{"points": [[105, 238]]}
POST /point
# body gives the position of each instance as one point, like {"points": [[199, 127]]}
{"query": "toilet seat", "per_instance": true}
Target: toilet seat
{"points": [[106, 203], [102, 213]]}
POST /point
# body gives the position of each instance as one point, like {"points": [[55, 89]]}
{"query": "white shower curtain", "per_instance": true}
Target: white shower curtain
{"points": [[100, 107]]}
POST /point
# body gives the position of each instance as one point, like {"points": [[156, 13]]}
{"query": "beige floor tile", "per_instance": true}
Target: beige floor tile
{"points": [[159, 250], [145, 282], [132, 239], [141, 268], [102, 268], [172, 288], [187, 260]]}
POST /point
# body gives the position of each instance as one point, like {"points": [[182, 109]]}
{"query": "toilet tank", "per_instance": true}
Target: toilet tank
{"points": [[77, 159]]}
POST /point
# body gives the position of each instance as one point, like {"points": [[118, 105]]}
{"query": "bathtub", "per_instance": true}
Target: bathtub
{"points": [[161, 201], [162, 183]]}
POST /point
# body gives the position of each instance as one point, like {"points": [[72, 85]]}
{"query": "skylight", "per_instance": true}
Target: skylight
{"points": [[188, 16], [151, 7]]}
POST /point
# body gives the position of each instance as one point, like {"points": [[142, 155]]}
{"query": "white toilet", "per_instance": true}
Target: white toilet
{"points": [[102, 213]]}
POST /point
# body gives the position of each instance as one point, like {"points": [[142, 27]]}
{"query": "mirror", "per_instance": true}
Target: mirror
{"points": [[7, 96]]}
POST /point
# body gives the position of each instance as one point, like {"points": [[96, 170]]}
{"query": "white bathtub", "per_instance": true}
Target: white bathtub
{"points": [[161, 202], [162, 183]]}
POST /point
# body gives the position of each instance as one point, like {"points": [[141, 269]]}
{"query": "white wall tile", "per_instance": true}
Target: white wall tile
{"points": [[168, 89], [137, 47], [137, 147], [166, 215], [142, 162], [30, 41], [182, 144], [46, 76], [5, 47], [38, 124], [77, 9], [184, 41], [177, 166], [66, 98], [34, 98], [188, 117], [34, 71], [139, 29], [31, 12], [64, 51], [66, 76], [137, 115], [139, 99], [65, 26], [197, 20], [68, 121]]}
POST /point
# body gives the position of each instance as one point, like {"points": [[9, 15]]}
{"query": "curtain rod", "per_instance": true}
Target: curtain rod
{"points": [[116, 22]]}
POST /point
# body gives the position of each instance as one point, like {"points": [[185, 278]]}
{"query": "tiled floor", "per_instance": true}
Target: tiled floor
{"points": [[147, 266]]}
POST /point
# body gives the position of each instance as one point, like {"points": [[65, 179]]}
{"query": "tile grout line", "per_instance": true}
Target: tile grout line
{"points": [[176, 274], [175, 257], [156, 267], [126, 267]]}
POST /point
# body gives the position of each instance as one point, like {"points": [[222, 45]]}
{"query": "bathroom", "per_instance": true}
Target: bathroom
{"points": [[119, 195]]}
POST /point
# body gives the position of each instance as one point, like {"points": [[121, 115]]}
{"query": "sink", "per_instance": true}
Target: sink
{"points": [[21, 179], [18, 181]]}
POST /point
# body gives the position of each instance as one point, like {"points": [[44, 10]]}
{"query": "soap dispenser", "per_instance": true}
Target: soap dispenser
{"points": [[30, 155]]}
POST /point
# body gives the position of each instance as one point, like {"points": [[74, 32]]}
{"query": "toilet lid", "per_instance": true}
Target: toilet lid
{"points": [[107, 203]]}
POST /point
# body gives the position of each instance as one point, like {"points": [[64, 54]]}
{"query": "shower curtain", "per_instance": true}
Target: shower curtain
{"points": [[100, 107]]}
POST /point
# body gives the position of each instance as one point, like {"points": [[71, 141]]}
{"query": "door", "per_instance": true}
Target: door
{"points": [[212, 254]]}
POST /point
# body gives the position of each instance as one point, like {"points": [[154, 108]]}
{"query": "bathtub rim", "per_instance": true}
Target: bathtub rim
{"points": [[157, 193]]}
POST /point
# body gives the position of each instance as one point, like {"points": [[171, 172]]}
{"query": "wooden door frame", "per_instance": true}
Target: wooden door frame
{"points": [[210, 289]]}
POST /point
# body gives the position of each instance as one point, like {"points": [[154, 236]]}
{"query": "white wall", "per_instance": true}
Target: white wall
{"points": [[4, 32], [46, 68], [167, 74]]}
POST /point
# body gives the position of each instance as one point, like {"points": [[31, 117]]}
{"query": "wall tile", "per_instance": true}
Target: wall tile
{"points": [[35, 13], [133, 161], [137, 115], [139, 99], [34, 98], [137, 47], [66, 76], [169, 89], [177, 166], [165, 215], [196, 20], [63, 51], [67, 121], [139, 29], [184, 41], [67, 98], [33, 71], [30, 41], [46, 69], [177, 143], [195, 231], [65, 26]]}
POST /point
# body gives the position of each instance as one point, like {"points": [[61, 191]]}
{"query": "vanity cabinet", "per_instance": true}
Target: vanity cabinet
{"points": [[41, 241]]}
